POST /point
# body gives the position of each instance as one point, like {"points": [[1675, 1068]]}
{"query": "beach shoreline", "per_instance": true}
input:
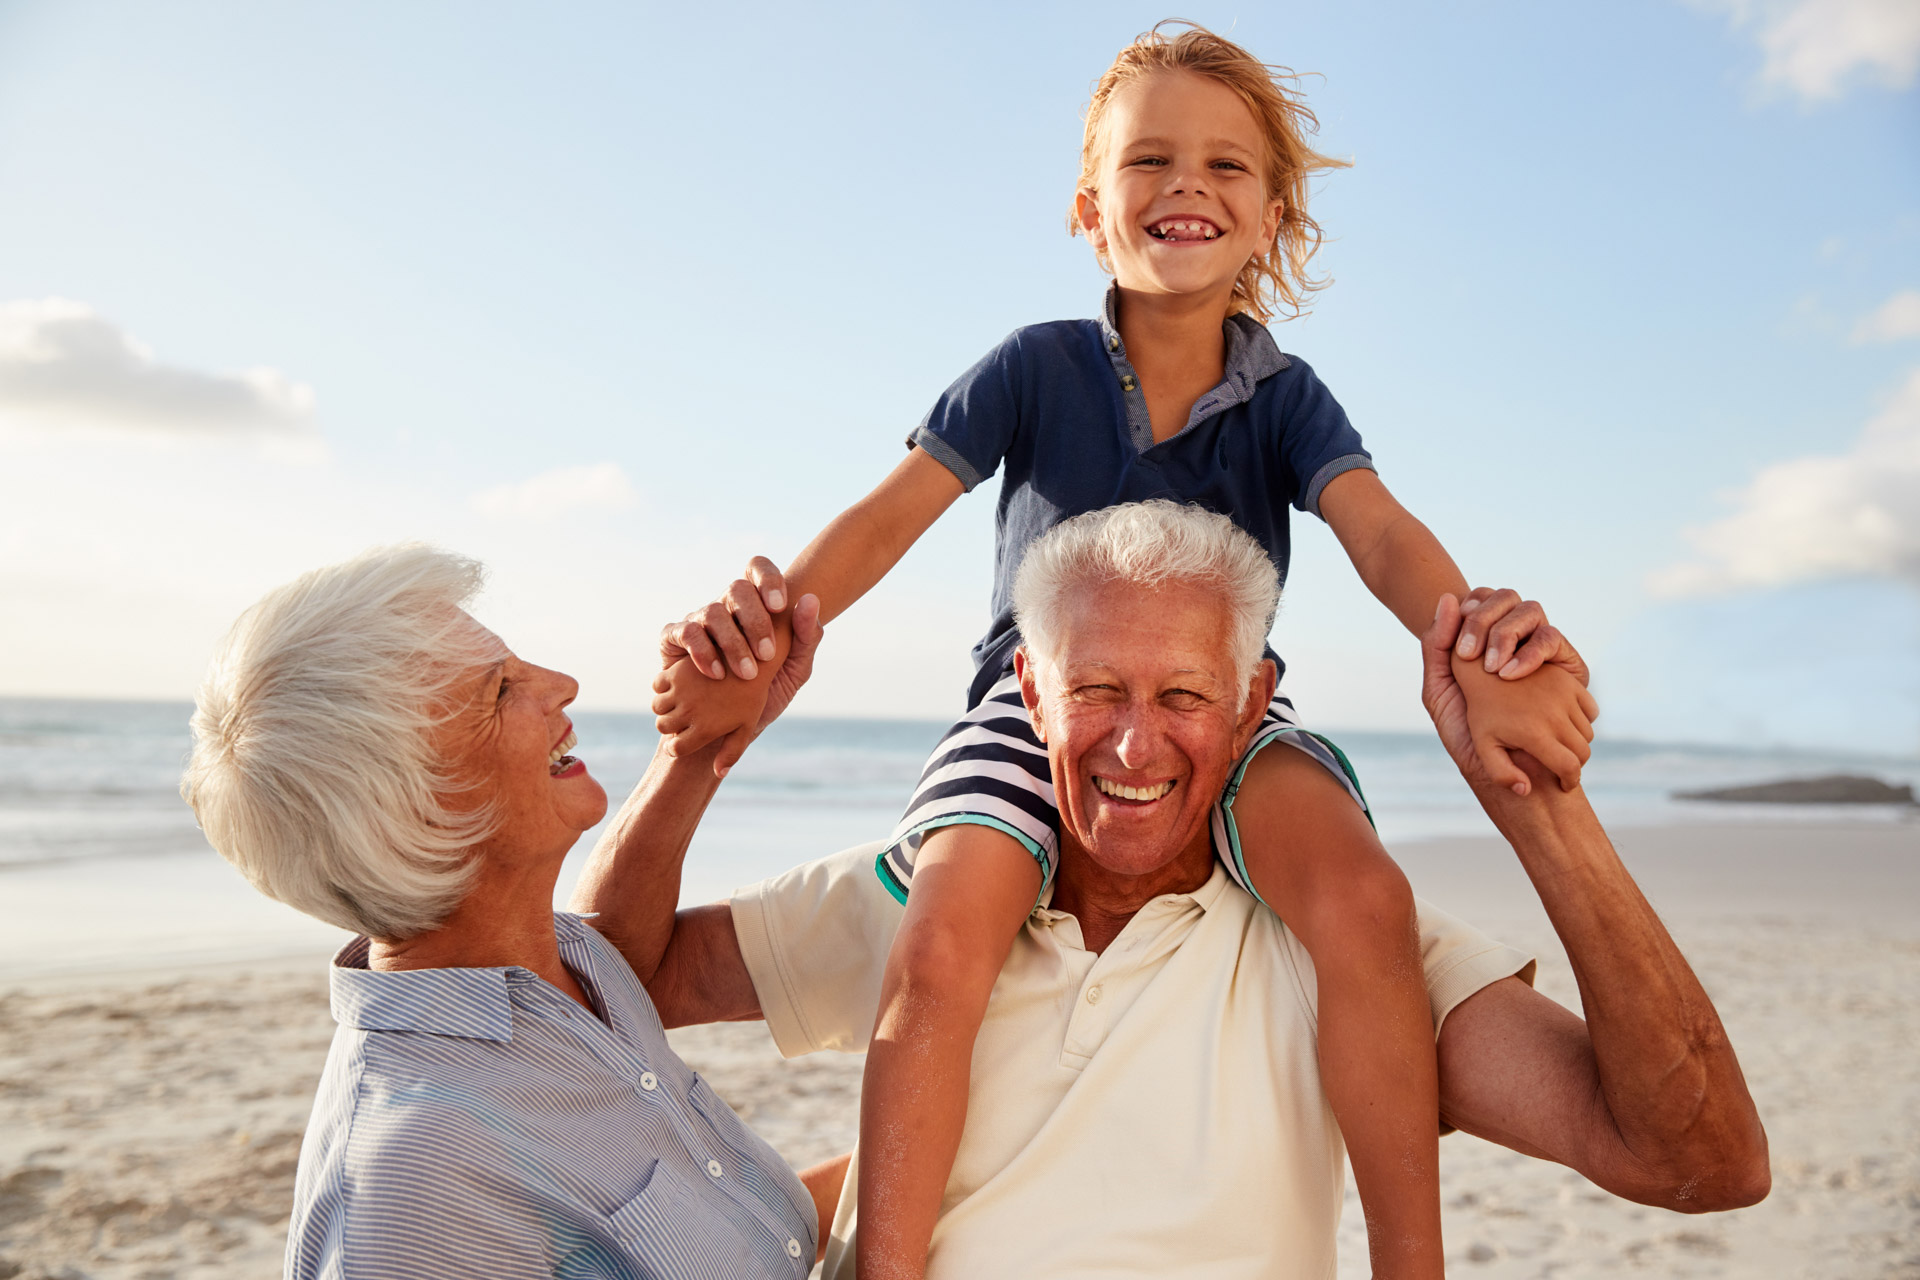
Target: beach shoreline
{"points": [[150, 1118]]}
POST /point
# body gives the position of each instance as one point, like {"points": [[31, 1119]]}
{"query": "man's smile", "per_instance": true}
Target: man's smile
{"points": [[1144, 793]]}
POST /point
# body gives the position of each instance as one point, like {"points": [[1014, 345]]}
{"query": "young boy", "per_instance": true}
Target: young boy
{"points": [[1192, 191]]}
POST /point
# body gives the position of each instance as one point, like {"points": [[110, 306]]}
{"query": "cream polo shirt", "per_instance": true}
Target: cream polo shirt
{"points": [[1152, 1110]]}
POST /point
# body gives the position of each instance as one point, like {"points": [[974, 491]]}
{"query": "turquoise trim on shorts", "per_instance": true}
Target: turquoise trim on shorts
{"points": [[898, 888], [1236, 859]]}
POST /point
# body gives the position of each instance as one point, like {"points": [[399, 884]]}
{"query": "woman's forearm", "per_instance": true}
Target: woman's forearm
{"points": [[632, 881]]}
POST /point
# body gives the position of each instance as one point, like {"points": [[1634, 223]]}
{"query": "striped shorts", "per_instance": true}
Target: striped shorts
{"points": [[990, 769]]}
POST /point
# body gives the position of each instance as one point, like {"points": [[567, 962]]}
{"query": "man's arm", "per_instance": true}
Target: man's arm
{"points": [[1645, 1097]]}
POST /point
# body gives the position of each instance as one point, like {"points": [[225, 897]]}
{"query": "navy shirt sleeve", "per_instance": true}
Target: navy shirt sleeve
{"points": [[1317, 442], [972, 425]]}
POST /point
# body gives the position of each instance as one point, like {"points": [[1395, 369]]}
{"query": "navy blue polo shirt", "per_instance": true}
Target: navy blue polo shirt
{"points": [[1058, 410]]}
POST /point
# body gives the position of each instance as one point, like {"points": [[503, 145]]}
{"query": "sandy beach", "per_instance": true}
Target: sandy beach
{"points": [[150, 1121]]}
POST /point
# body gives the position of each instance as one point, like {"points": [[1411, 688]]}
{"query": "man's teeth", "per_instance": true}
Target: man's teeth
{"points": [[559, 753], [1178, 230], [1123, 792]]}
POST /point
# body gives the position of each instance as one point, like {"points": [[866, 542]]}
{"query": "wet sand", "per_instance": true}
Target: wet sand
{"points": [[149, 1122]]}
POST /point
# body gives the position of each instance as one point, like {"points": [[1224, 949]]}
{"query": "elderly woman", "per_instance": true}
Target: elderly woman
{"points": [[500, 1100]]}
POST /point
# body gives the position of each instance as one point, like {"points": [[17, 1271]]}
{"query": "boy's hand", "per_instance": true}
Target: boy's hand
{"points": [[1514, 635], [1549, 715]]}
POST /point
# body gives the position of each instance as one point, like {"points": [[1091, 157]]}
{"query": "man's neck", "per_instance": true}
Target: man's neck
{"points": [[1103, 901]]}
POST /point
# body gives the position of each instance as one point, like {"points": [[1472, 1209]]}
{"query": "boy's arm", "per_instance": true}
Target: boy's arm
{"points": [[1408, 570], [696, 703]]}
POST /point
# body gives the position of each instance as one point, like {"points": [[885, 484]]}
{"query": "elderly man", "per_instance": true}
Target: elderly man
{"points": [[1145, 1092]]}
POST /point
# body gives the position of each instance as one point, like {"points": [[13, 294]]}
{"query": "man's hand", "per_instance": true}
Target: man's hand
{"points": [[1514, 635], [697, 701], [1549, 716]]}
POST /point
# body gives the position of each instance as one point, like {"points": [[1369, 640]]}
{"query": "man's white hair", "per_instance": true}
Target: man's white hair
{"points": [[314, 770], [1148, 544]]}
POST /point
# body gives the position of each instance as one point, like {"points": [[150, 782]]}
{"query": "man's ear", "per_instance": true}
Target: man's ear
{"points": [[1086, 210], [1259, 693], [1030, 690]]}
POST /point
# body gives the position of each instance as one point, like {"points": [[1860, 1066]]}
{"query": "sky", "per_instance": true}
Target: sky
{"points": [[1626, 304]]}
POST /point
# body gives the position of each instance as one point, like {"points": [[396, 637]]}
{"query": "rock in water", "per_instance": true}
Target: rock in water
{"points": [[1838, 788]]}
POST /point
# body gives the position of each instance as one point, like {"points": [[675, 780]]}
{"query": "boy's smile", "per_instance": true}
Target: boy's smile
{"points": [[1182, 204]]}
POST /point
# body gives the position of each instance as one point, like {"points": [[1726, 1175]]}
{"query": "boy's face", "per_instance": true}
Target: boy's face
{"points": [[1182, 204]]}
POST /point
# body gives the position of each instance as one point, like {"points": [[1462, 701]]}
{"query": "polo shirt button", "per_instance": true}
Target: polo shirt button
{"points": [[1093, 995], [793, 1247], [713, 1169], [1113, 344], [1126, 384], [648, 1081]]}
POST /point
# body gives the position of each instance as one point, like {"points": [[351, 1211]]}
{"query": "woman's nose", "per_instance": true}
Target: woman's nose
{"points": [[561, 687]]}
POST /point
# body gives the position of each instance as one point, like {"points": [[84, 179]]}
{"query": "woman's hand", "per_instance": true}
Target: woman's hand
{"points": [[698, 701]]}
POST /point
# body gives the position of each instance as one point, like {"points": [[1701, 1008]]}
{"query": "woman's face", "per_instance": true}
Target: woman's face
{"points": [[509, 742]]}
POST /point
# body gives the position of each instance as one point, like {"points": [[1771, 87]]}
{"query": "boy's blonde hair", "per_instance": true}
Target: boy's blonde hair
{"points": [[1276, 279]]}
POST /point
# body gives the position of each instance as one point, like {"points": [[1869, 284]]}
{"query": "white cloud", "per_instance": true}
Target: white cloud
{"points": [[63, 364], [600, 485], [1815, 47], [1896, 318], [1852, 515]]}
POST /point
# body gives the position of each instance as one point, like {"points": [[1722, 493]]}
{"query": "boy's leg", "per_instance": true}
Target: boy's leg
{"points": [[973, 888], [1312, 855]]}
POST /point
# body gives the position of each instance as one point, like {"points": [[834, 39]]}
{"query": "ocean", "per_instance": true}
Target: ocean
{"points": [[102, 867]]}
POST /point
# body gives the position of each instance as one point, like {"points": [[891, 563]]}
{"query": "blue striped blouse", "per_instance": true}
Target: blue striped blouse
{"points": [[478, 1123]]}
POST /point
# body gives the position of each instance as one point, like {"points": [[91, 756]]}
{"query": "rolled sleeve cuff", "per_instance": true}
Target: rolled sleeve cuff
{"points": [[946, 456], [773, 983], [1466, 975], [1310, 501]]}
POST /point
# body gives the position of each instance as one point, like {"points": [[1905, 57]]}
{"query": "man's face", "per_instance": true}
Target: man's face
{"points": [[1143, 719]]}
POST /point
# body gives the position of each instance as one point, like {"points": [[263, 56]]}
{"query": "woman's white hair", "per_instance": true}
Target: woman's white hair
{"points": [[1148, 544], [314, 770]]}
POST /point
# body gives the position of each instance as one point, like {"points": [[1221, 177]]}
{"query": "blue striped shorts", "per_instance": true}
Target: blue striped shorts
{"points": [[990, 769]]}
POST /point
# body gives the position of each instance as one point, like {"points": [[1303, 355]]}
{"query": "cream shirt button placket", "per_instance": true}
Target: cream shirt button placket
{"points": [[1093, 995]]}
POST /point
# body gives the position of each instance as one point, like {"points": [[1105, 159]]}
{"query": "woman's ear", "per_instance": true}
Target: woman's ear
{"points": [[1030, 691]]}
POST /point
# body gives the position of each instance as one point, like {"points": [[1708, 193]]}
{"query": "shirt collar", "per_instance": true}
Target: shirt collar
{"points": [[471, 1004]]}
